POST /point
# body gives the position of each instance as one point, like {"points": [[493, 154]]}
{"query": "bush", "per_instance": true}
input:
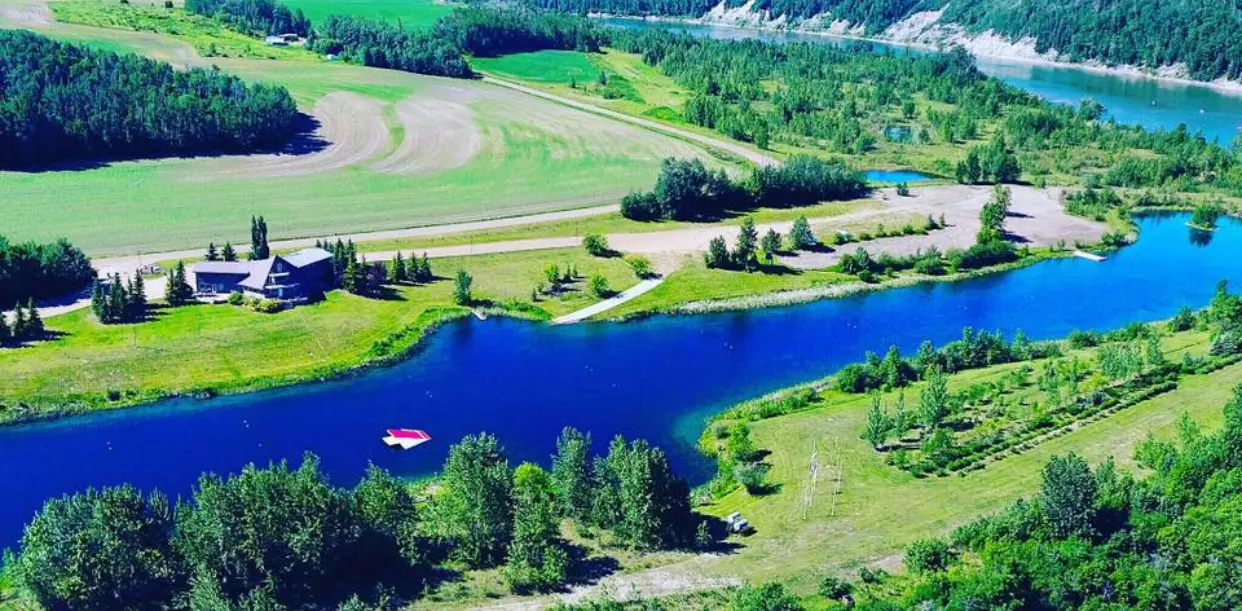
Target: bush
{"points": [[268, 306], [597, 286], [596, 245], [641, 266], [927, 556], [236, 298], [834, 588]]}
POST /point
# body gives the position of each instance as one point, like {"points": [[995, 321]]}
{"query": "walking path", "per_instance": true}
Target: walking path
{"points": [[610, 303]]}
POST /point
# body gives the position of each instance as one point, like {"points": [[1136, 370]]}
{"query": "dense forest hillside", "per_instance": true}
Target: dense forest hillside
{"points": [[1203, 35], [61, 101]]}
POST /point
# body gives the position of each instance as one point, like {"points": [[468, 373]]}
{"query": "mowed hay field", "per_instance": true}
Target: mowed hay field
{"points": [[390, 150], [409, 13]]}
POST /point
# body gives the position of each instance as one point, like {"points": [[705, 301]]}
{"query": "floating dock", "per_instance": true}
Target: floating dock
{"points": [[1088, 256]]}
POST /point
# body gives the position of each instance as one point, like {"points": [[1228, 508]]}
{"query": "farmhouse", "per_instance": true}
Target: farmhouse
{"points": [[293, 278]]}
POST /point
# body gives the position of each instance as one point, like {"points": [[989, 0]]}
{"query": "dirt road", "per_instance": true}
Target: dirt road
{"points": [[748, 154]]}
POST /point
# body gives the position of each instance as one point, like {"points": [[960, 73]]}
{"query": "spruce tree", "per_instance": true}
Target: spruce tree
{"points": [[34, 322], [179, 291], [212, 254], [19, 323], [254, 239], [747, 241], [397, 269], [6, 334], [424, 270], [99, 302], [228, 254]]}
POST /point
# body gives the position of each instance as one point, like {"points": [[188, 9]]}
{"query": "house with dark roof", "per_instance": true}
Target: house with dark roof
{"points": [[293, 278]]}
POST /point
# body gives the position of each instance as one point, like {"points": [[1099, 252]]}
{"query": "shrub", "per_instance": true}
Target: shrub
{"points": [[597, 286], [236, 298], [268, 306], [641, 266], [834, 588], [596, 245]]}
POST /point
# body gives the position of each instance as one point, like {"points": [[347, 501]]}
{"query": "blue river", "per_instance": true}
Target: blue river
{"points": [[658, 378]]}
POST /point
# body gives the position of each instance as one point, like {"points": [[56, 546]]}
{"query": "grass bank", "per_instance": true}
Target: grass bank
{"points": [[862, 511], [214, 349]]}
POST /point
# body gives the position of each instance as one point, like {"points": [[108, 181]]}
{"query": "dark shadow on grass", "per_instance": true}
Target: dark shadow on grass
{"points": [[304, 141]]}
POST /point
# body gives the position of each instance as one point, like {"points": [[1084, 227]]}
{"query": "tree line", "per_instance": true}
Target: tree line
{"points": [[262, 17], [688, 190], [481, 31], [31, 270], [61, 101], [279, 537]]}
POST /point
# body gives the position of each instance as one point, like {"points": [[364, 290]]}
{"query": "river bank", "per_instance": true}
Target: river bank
{"points": [[985, 46]]}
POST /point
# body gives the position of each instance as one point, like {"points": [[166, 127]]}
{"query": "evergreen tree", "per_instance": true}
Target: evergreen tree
{"points": [[34, 323], [179, 292], [461, 288], [135, 307], [770, 244], [747, 242], [800, 236], [228, 254], [397, 269], [6, 334], [212, 254], [19, 323], [354, 278], [571, 473], [424, 270], [717, 255]]}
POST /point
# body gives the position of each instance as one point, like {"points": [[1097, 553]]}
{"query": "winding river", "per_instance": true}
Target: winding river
{"points": [[1137, 100], [657, 378]]}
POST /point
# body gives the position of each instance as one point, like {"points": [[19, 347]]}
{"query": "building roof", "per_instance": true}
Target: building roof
{"points": [[232, 268], [259, 271], [308, 256]]}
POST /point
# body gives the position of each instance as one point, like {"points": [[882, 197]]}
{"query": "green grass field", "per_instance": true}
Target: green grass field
{"points": [[409, 13], [231, 348], [512, 154], [879, 509], [557, 67]]}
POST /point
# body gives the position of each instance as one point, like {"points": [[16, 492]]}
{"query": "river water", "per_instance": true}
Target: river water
{"points": [[1137, 100], [656, 378]]}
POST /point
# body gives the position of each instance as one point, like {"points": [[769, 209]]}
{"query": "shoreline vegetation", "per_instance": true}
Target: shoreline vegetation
{"points": [[1232, 87]]}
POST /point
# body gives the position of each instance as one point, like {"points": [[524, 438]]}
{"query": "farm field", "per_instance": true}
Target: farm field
{"points": [[409, 13], [390, 150], [226, 347], [880, 509]]}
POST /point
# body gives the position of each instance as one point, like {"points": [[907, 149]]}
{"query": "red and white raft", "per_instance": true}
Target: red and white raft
{"points": [[406, 439]]}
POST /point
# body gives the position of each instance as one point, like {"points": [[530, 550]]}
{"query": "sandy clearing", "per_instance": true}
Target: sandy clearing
{"points": [[1036, 219], [351, 130], [25, 14], [440, 132], [731, 147]]}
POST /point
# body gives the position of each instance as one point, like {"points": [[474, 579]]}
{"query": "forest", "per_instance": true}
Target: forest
{"points": [[1204, 35], [40, 271], [287, 538], [60, 101]]}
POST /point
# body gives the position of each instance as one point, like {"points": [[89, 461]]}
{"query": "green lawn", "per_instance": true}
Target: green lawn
{"points": [[409, 13], [558, 67], [223, 347], [880, 509]]}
